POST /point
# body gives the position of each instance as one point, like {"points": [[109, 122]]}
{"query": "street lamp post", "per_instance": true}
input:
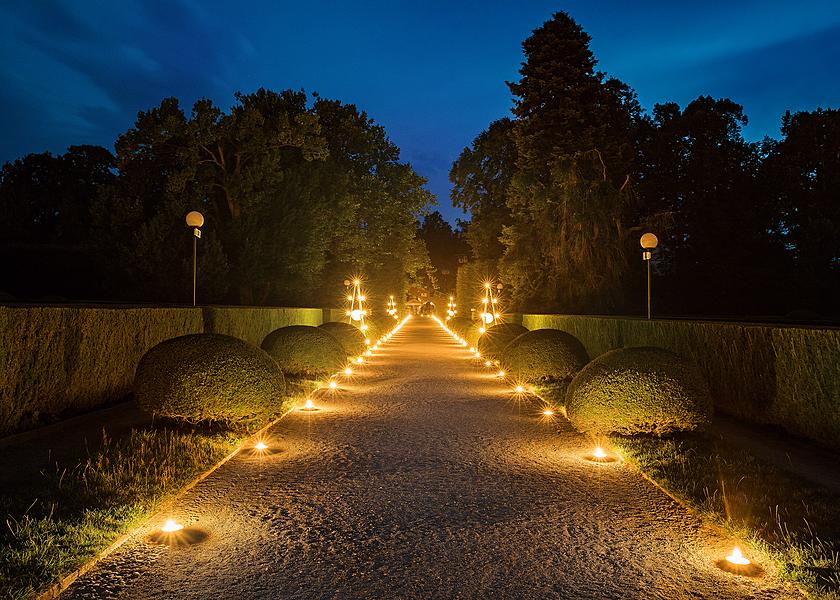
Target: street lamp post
{"points": [[195, 220], [648, 242]]}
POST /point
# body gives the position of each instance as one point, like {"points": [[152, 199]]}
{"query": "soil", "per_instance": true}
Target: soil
{"points": [[425, 477]]}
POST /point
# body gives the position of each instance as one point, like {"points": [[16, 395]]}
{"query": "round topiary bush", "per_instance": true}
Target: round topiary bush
{"points": [[349, 336], [544, 355], [460, 325], [209, 377], [303, 350], [639, 390], [493, 340]]}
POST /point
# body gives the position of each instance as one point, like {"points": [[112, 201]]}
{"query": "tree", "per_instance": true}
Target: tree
{"points": [[570, 199], [801, 177], [47, 243], [443, 246], [481, 179], [696, 167]]}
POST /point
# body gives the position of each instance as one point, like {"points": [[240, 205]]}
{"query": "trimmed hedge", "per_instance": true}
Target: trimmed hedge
{"points": [[253, 324], [60, 361], [305, 351], [209, 377], [349, 336], [544, 355], [493, 341], [460, 325], [639, 390], [780, 375]]}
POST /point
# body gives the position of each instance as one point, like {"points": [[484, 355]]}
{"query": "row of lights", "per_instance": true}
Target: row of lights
{"points": [[735, 562], [171, 526]]}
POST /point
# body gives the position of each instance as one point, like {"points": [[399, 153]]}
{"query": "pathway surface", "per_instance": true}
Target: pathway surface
{"points": [[424, 478]]}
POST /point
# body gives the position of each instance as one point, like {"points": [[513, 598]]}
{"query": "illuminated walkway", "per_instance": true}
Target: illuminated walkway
{"points": [[424, 479]]}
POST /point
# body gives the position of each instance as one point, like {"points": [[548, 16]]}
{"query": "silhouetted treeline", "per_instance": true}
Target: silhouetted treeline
{"points": [[561, 193], [295, 200]]}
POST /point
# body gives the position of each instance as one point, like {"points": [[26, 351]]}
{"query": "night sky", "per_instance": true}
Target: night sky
{"points": [[432, 73]]}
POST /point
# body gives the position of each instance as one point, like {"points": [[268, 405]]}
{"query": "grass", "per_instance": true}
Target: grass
{"points": [[65, 517], [790, 521]]}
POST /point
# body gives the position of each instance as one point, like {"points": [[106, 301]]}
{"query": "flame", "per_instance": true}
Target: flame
{"points": [[171, 526], [736, 558]]}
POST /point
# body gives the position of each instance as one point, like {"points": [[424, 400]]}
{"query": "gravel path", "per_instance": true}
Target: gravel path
{"points": [[424, 478]]}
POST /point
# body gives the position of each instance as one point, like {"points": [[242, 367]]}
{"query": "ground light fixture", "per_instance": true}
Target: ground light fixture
{"points": [[599, 455], [308, 405], [171, 526], [519, 389], [501, 374], [333, 385], [488, 363], [548, 412], [260, 446], [360, 359], [739, 564], [348, 371]]}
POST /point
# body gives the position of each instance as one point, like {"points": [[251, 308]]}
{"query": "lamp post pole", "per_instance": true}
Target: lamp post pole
{"points": [[648, 242], [195, 220]]}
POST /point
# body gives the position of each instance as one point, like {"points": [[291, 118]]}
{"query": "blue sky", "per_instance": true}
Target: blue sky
{"points": [[431, 72]]}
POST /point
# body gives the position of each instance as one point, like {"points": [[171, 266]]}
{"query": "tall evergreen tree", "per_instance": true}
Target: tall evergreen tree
{"points": [[567, 244]]}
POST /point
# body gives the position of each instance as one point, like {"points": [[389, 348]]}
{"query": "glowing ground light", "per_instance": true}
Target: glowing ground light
{"points": [[360, 360], [260, 446], [368, 353], [519, 389], [309, 405], [501, 374], [548, 412], [333, 385], [348, 371], [464, 343], [599, 453], [488, 363], [171, 526], [736, 558]]}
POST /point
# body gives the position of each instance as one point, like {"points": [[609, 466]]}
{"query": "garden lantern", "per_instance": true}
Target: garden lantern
{"points": [[195, 220], [648, 242]]}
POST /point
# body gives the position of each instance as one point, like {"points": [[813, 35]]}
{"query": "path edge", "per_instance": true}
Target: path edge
{"points": [[55, 590]]}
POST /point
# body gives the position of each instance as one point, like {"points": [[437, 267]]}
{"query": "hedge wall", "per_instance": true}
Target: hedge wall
{"points": [[787, 376], [58, 361], [253, 324]]}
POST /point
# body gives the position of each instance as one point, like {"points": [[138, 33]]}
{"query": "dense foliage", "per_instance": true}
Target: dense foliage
{"points": [[210, 377], [303, 350], [560, 194], [542, 355], [295, 196], [629, 391]]}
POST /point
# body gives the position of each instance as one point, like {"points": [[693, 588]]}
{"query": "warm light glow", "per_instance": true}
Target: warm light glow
{"points": [[356, 314], [599, 452], [501, 373], [548, 412], [736, 558], [487, 285], [464, 343], [477, 354], [481, 330], [360, 360], [348, 371], [349, 298], [309, 405], [488, 363], [368, 353], [333, 385], [356, 282], [171, 526], [519, 389], [260, 446]]}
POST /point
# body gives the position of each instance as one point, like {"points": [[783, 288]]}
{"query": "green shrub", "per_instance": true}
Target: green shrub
{"points": [[493, 341], [544, 355], [460, 325], [209, 377], [305, 351], [639, 390], [349, 336]]}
